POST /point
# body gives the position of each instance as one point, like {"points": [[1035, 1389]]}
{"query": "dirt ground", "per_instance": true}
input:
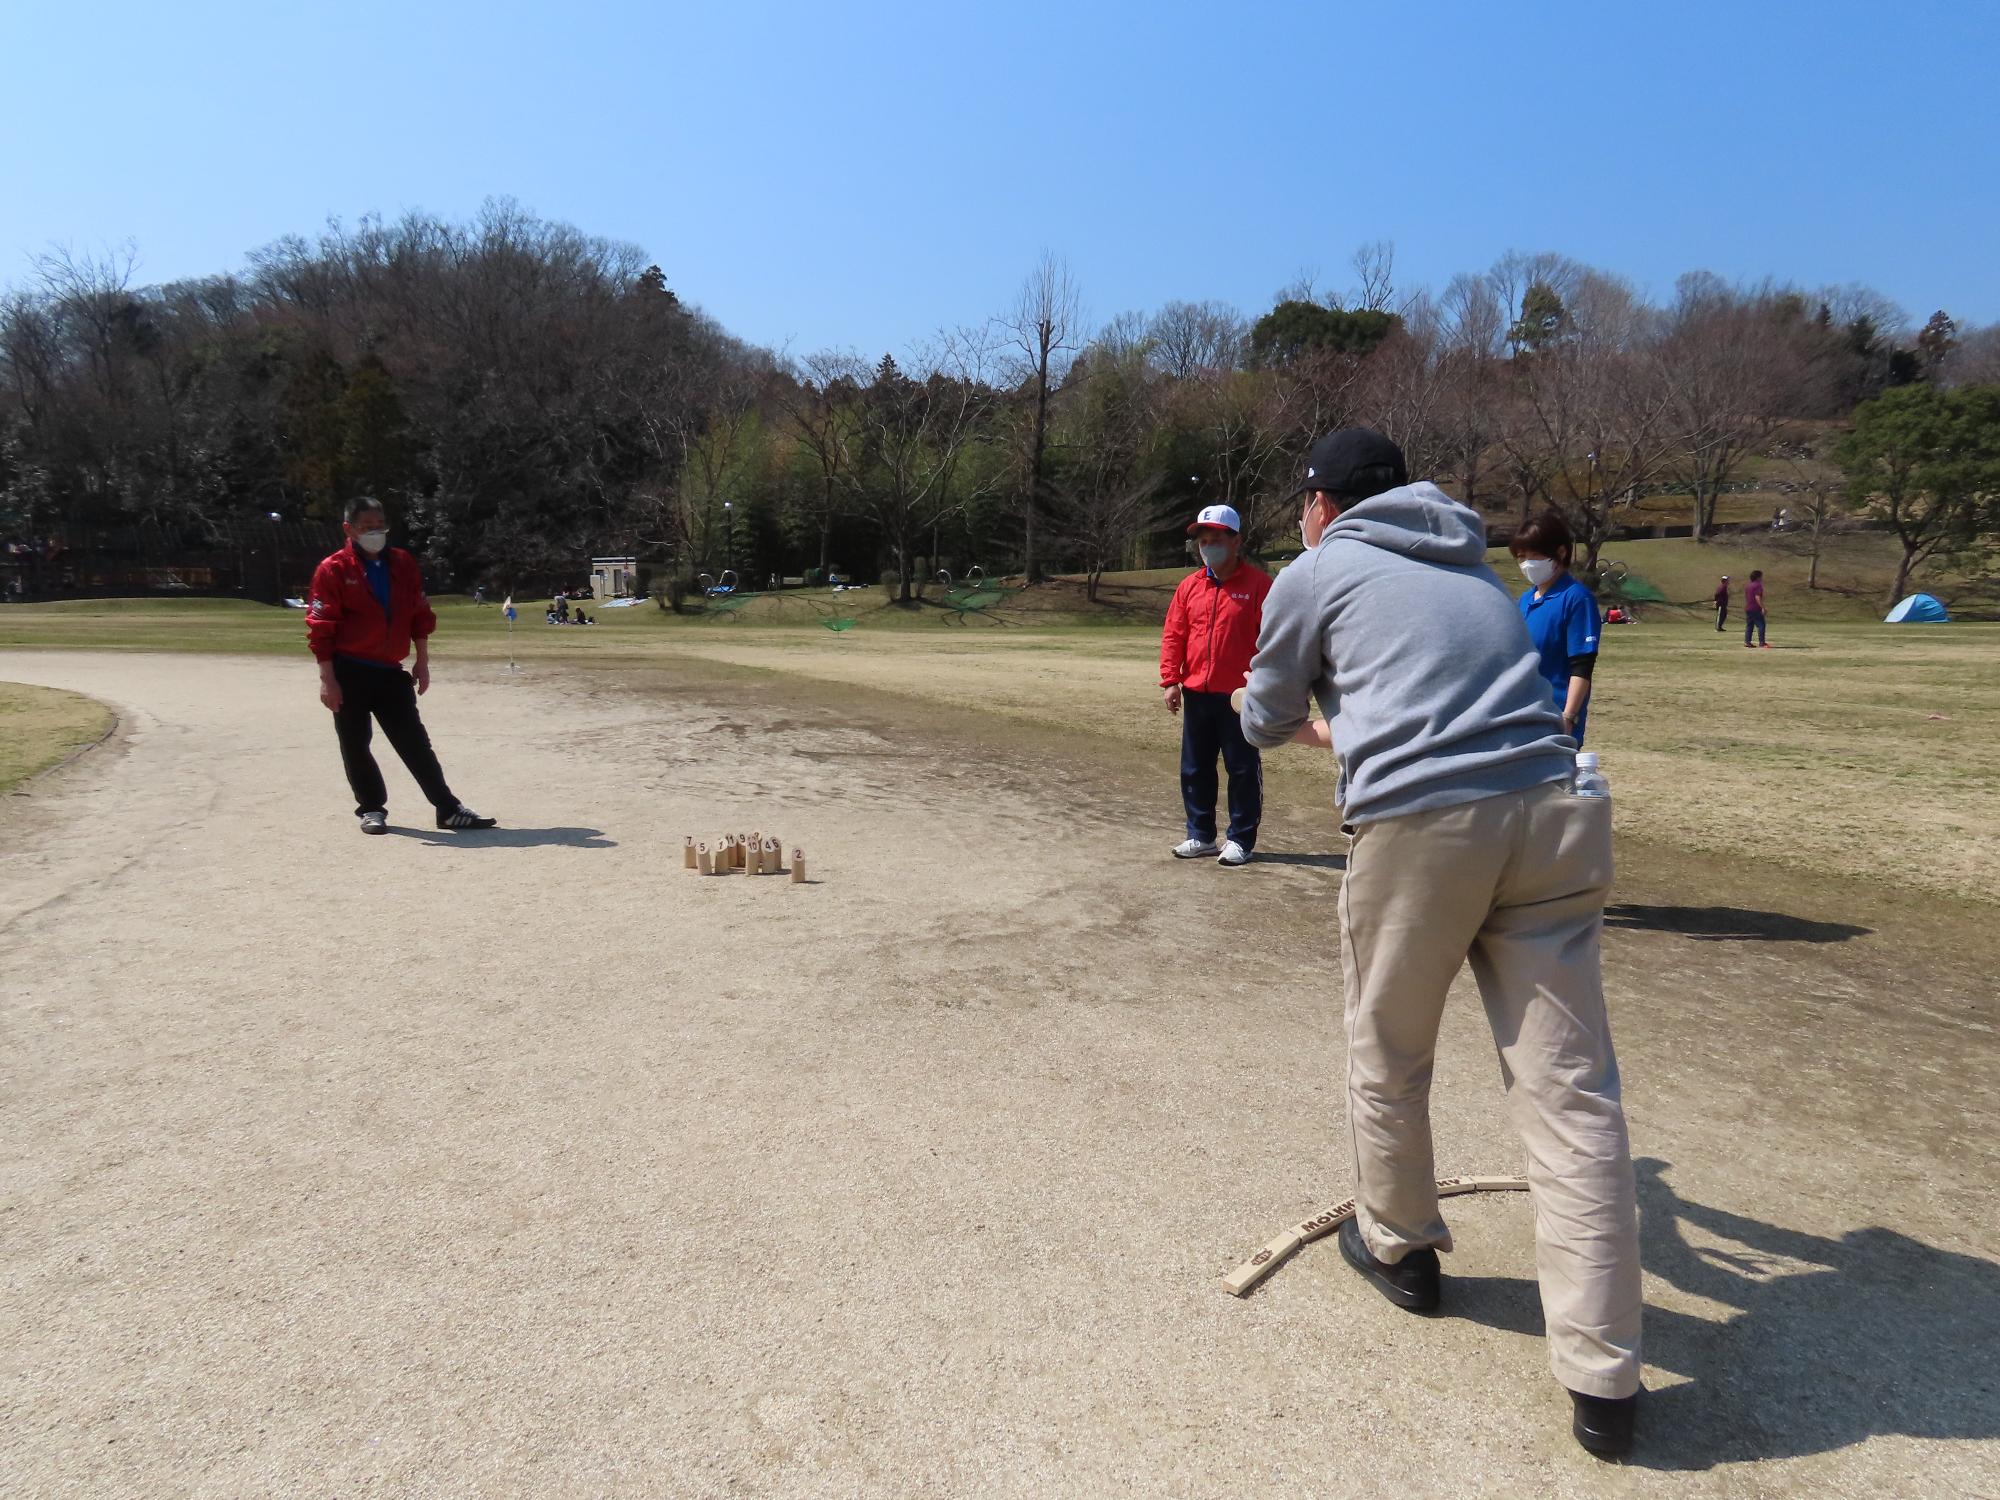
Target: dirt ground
{"points": [[525, 1163]]}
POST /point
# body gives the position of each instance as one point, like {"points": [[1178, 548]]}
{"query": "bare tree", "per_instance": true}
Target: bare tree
{"points": [[1472, 329], [820, 407], [1375, 275], [1975, 359], [1249, 424], [1730, 365], [1814, 502], [1044, 324], [1591, 425], [1189, 338], [1405, 384], [913, 431], [1106, 485], [1125, 336], [697, 416]]}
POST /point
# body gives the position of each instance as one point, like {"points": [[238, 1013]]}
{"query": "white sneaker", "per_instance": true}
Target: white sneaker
{"points": [[1194, 848], [1233, 854]]}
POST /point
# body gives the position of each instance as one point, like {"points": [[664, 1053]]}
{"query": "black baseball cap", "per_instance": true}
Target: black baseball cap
{"points": [[1356, 462]]}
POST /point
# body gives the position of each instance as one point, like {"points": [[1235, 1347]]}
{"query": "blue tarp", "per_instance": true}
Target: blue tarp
{"points": [[1918, 609]]}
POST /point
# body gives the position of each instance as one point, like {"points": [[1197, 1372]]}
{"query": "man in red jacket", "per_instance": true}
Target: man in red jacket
{"points": [[365, 610], [1205, 653]]}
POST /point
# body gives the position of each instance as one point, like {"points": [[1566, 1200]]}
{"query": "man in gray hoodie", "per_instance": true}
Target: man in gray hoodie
{"points": [[1465, 843]]}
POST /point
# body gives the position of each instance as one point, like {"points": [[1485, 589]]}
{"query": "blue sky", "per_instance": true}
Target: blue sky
{"points": [[827, 175]]}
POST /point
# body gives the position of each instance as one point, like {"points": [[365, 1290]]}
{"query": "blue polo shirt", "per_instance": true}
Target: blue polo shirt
{"points": [[1562, 623]]}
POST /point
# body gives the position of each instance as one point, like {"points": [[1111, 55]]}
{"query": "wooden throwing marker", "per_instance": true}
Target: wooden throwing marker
{"points": [[1239, 1281]]}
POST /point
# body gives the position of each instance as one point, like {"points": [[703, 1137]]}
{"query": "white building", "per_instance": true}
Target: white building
{"points": [[615, 577]]}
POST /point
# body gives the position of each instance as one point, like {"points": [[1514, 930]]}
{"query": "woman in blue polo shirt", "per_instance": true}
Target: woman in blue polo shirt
{"points": [[1561, 616]]}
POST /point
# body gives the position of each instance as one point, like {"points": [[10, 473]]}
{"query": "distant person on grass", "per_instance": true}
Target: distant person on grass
{"points": [[1561, 616], [1753, 610], [366, 610], [1465, 842], [1722, 604], [1205, 651]]}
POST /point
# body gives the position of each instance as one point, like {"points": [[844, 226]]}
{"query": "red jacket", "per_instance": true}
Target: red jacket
{"points": [[344, 618], [1211, 630]]}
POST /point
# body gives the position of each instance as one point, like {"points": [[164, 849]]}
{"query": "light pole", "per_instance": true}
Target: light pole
{"points": [[729, 533]]}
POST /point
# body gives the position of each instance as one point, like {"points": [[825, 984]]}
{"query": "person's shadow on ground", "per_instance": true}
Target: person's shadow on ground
{"points": [[1833, 1341], [1315, 861], [510, 838], [1718, 924]]}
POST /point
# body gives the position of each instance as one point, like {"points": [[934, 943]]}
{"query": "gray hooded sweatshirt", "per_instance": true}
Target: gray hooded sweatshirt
{"points": [[1417, 657]]}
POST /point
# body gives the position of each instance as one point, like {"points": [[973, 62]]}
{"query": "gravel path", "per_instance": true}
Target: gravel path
{"points": [[526, 1164]]}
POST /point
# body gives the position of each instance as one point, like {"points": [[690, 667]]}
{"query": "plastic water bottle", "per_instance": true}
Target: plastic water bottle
{"points": [[1589, 781]]}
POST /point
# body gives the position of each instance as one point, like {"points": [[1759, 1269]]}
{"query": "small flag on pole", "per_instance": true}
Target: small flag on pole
{"points": [[507, 609]]}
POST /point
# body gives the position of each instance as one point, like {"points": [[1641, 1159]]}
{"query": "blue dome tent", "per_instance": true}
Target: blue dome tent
{"points": [[1918, 609]]}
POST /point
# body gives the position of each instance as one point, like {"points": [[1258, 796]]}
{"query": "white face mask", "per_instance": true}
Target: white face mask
{"points": [[373, 541], [1538, 570], [1215, 555]]}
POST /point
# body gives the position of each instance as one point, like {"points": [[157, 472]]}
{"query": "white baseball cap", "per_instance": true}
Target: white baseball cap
{"points": [[1216, 515]]}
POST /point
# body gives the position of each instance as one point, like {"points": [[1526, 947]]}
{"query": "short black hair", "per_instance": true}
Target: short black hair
{"points": [[1547, 533], [360, 505], [1756, 575]]}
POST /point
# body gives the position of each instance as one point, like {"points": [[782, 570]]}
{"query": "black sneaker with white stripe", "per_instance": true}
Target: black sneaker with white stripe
{"points": [[461, 817], [374, 821]]}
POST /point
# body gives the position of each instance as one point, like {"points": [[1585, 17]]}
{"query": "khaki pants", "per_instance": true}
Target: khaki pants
{"points": [[1516, 883]]}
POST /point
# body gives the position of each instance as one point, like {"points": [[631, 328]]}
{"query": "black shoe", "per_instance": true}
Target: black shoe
{"points": [[462, 816], [1410, 1283], [374, 821], [1603, 1424]]}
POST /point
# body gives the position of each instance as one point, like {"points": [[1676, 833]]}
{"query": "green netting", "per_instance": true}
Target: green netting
{"points": [[838, 625], [964, 599], [1636, 590], [1618, 584]]}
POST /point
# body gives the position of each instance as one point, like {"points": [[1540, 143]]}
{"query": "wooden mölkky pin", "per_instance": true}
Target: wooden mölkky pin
{"points": [[702, 862], [798, 867], [688, 860]]}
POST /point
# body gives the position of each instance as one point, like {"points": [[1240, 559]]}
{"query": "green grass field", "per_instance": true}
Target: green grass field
{"points": [[39, 726], [1852, 749], [1854, 576]]}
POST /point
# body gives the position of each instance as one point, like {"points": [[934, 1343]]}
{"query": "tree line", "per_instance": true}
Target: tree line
{"points": [[525, 396]]}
